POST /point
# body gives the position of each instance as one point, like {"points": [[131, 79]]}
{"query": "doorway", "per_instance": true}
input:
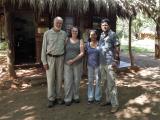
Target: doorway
{"points": [[24, 36]]}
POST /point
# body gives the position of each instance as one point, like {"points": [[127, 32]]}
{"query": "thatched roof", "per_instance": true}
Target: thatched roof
{"points": [[122, 7]]}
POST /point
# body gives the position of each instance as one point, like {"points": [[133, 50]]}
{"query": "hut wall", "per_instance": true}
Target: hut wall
{"points": [[44, 22]]}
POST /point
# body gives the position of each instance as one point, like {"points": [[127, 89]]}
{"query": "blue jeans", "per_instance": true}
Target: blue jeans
{"points": [[94, 92]]}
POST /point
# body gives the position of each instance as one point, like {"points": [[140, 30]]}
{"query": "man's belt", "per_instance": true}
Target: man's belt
{"points": [[50, 55]]}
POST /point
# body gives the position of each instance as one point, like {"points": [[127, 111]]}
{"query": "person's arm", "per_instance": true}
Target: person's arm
{"points": [[44, 52], [116, 47], [80, 55]]}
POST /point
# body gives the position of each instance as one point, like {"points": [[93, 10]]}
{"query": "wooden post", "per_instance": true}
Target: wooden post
{"points": [[157, 41], [130, 43], [9, 38]]}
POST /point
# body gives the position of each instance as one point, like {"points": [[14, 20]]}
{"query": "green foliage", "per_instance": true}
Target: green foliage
{"points": [[139, 23], [3, 45]]}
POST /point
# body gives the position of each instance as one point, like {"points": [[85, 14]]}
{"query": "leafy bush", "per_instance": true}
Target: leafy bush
{"points": [[3, 46]]}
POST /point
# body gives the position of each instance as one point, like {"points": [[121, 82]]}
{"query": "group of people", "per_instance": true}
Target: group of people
{"points": [[62, 58]]}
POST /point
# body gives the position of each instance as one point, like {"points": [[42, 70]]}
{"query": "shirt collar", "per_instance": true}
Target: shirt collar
{"points": [[54, 31]]}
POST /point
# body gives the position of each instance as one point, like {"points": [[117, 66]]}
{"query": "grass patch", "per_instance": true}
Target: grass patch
{"points": [[124, 48]]}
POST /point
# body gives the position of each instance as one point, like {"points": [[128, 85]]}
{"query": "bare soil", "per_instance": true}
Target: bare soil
{"points": [[25, 97]]}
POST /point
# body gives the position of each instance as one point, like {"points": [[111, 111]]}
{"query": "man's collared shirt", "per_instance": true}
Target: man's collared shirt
{"points": [[53, 43], [107, 44]]}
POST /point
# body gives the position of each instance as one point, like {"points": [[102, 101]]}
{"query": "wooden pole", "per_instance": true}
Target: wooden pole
{"points": [[9, 38], [130, 43], [157, 40]]}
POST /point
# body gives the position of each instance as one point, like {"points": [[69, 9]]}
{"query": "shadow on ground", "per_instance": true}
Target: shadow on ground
{"points": [[139, 100]]}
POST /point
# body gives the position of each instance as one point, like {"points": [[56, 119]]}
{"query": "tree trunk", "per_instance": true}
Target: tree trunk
{"points": [[157, 41], [130, 42], [9, 39]]}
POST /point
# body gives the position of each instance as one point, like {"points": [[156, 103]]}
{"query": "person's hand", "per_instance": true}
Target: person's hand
{"points": [[114, 65], [70, 62], [46, 67]]}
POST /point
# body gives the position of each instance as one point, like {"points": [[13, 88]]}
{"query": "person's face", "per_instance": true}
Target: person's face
{"points": [[93, 35], [105, 27], [58, 24], [74, 32]]}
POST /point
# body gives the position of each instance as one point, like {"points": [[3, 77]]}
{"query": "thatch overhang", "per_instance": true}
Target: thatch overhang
{"points": [[122, 8]]}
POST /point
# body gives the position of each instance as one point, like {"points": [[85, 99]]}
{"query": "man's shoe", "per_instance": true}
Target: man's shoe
{"points": [[76, 101], [90, 102], [114, 109], [60, 101], [50, 104], [68, 103], [97, 101], [105, 104]]}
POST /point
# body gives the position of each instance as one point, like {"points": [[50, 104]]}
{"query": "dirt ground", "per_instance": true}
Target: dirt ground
{"points": [[25, 98]]}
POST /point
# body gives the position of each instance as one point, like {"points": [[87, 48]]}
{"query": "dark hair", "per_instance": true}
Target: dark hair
{"points": [[1, 14], [92, 30], [106, 20], [70, 34]]}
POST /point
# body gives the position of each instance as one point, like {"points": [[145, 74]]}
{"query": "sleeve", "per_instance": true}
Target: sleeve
{"points": [[116, 48], [44, 50], [116, 40]]}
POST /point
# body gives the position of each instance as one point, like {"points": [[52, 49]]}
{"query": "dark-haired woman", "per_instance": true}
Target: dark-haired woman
{"points": [[92, 47]]}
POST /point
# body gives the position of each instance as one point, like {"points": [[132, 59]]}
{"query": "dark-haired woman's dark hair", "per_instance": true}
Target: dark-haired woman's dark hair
{"points": [[92, 30], [70, 32]]}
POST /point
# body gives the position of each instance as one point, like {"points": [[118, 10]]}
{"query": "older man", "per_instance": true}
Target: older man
{"points": [[109, 56], [52, 57]]}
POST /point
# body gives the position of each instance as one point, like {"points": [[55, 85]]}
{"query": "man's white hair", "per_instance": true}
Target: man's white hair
{"points": [[58, 18]]}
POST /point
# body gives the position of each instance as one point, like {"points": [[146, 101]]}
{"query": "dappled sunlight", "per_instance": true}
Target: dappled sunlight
{"points": [[24, 78], [139, 97], [22, 104], [27, 113], [2, 97], [5, 117], [148, 79], [30, 72], [151, 72], [24, 108], [3, 76], [140, 100], [11, 101], [129, 113], [147, 110], [147, 85], [141, 106], [144, 102]]}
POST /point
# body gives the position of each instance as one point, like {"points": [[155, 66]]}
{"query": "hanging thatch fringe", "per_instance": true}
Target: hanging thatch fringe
{"points": [[77, 6]]}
